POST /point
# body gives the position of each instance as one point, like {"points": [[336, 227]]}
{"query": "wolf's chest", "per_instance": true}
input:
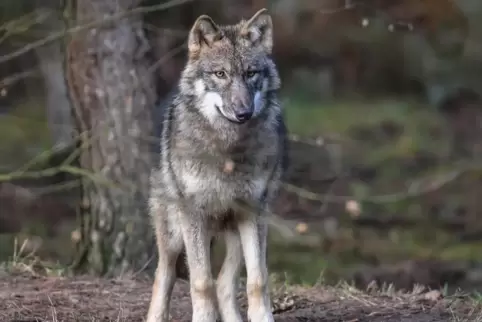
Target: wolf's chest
{"points": [[218, 189]]}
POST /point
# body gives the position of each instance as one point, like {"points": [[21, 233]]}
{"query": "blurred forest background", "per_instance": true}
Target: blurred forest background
{"points": [[382, 100]]}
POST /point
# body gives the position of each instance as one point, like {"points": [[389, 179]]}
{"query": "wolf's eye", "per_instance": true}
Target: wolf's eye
{"points": [[220, 74], [251, 73]]}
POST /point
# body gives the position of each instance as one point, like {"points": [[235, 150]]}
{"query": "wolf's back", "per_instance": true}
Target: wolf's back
{"points": [[158, 116]]}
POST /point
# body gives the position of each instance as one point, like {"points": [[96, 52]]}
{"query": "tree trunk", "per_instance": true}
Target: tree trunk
{"points": [[113, 92]]}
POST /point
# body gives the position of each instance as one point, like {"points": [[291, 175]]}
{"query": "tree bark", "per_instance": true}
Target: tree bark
{"points": [[112, 92]]}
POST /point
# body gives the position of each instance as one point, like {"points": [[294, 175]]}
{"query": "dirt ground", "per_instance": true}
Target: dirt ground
{"points": [[27, 298]]}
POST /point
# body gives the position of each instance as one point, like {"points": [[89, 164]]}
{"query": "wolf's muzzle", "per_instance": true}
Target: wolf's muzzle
{"points": [[243, 109], [244, 116]]}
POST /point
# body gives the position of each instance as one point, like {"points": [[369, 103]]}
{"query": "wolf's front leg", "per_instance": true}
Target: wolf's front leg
{"points": [[253, 232], [197, 242]]}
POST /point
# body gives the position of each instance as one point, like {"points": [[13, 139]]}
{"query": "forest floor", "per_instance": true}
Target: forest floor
{"points": [[25, 297]]}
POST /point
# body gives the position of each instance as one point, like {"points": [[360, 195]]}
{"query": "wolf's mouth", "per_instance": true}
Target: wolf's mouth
{"points": [[232, 120]]}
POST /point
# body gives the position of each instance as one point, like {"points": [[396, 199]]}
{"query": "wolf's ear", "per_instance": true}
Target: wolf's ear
{"points": [[203, 32], [259, 30]]}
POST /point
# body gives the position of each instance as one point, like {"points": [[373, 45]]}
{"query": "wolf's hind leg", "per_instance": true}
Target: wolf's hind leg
{"points": [[169, 244], [228, 277], [253, 233]]}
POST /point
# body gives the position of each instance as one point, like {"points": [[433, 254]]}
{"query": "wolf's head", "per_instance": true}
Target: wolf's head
{"points": [[230, 71]]}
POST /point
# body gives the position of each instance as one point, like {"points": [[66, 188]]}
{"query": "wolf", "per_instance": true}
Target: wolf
{"points": [[222, 157]]}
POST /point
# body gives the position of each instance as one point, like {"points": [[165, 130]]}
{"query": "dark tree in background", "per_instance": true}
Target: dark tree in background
{"points": [[50, 61], [112, 92]]}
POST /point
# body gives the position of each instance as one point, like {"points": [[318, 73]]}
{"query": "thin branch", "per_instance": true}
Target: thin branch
{"points": [[10, 80], [416, 189], [24, 22], [59, 34]]}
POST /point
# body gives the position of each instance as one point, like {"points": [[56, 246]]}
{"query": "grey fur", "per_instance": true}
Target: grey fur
{"points": [[218, 174]]}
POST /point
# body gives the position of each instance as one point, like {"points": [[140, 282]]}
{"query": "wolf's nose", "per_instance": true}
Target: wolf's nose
{"points": [[243, 116]]}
